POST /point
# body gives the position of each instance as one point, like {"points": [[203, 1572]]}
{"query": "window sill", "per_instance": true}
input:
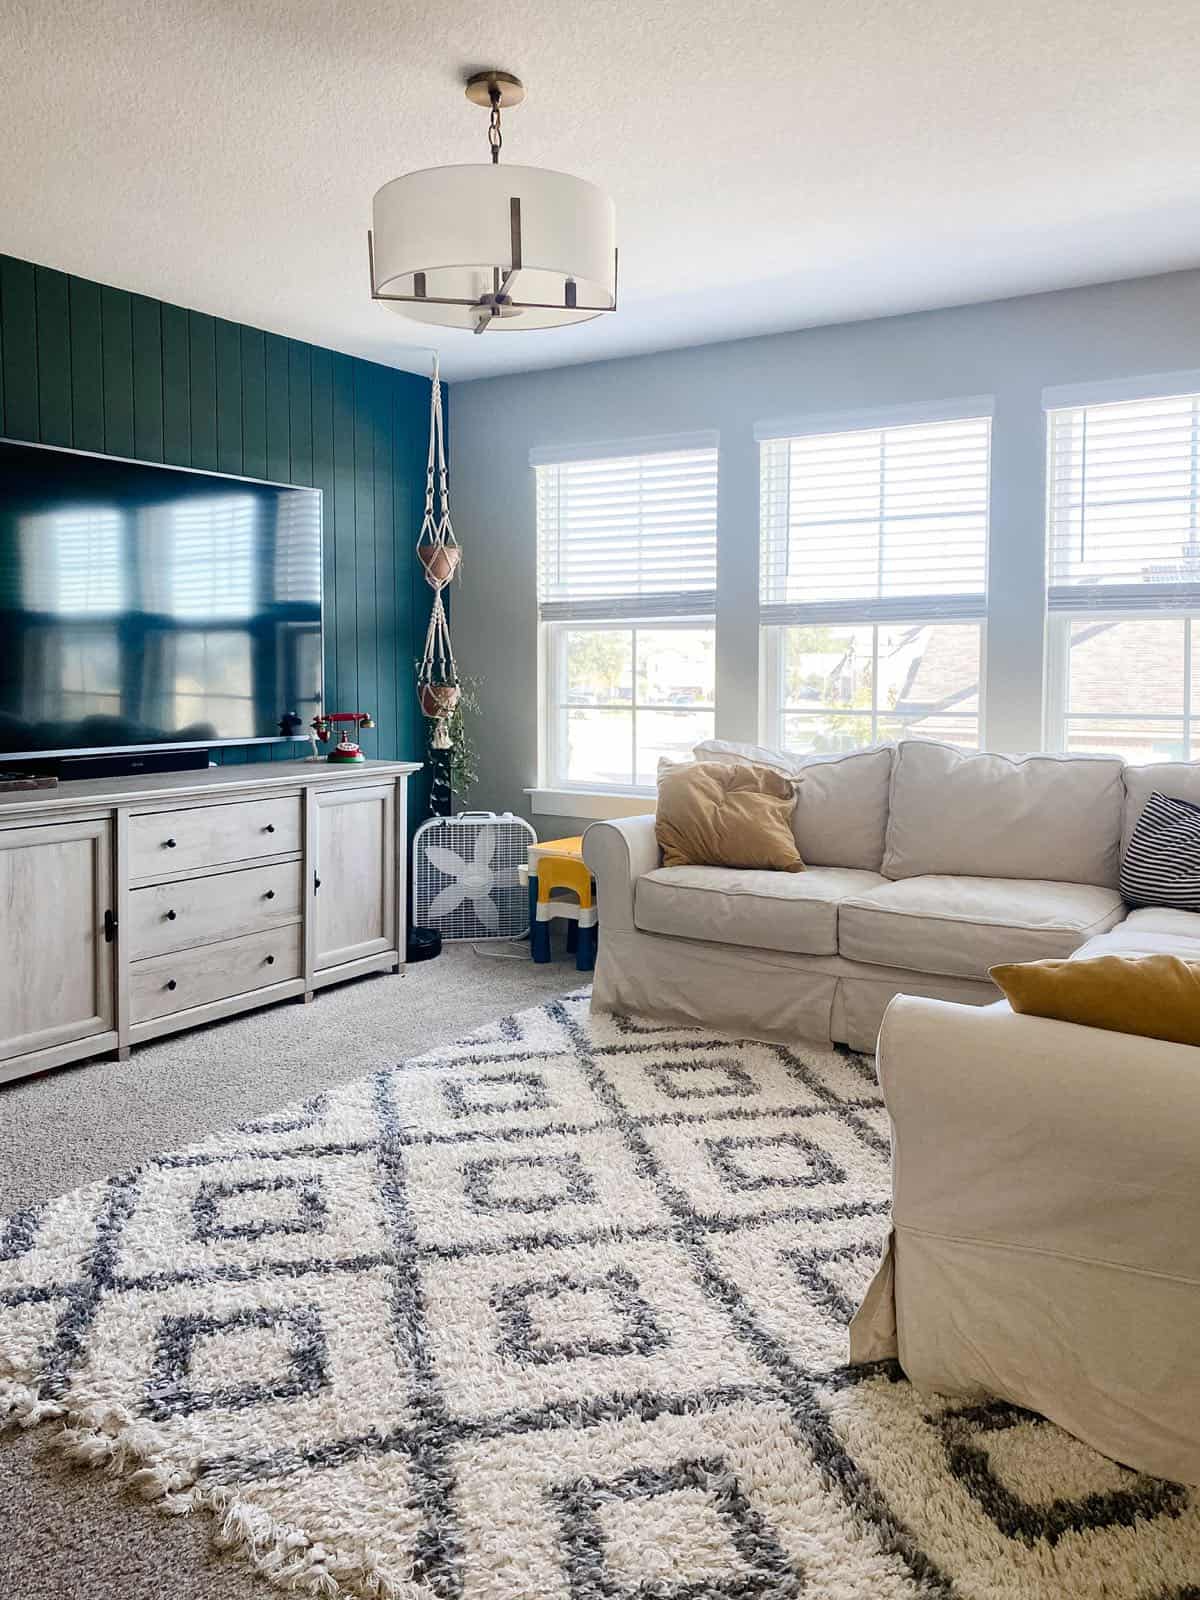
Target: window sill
{"points": [[595, 804]]}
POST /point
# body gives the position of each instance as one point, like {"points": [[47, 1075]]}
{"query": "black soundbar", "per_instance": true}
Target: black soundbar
{"points": [[125, 763]]}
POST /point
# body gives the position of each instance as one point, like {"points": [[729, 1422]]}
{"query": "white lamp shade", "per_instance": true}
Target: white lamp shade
{"points": [[454, 224]]}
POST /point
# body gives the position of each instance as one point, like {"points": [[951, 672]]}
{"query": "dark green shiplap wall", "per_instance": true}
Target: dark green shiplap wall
{"points": [[98, 369]]}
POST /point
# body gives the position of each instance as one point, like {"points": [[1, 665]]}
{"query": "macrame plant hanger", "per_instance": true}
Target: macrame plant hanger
{"points": [[438, 687]]}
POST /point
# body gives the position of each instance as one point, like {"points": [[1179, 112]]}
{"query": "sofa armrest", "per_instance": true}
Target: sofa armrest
{"points": [[618, 853], [1023, 1131]]}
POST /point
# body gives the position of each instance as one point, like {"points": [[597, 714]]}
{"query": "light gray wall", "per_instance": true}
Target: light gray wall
{"points": [[1010, 349]]}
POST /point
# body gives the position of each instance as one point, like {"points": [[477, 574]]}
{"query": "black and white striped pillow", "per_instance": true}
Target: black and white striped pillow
{"points": [[1161, 865]]}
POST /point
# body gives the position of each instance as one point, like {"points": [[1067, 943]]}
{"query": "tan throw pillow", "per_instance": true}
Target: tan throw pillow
{"points": [[711, 814], [1155, 997]]}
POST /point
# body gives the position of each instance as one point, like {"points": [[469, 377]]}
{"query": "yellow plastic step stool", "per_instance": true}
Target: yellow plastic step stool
{"points": [[559, 864]]}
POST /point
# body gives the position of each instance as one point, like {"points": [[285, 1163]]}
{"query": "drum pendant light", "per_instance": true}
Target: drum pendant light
{"points": [[493, 247]]}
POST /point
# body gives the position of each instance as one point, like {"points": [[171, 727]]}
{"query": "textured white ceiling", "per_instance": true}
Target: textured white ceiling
{"points": [[774, 164]]}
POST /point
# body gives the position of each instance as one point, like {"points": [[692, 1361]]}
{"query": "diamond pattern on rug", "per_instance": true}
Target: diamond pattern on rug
{"points": [[558, 1313], [575, 1325], [220, 1216], [732, 1169], [492, 1191]]}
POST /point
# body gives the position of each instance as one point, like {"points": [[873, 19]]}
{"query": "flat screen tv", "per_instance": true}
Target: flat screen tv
{"points": [[145, 606]]}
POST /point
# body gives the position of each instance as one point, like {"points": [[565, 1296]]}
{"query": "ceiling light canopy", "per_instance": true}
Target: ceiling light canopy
{"points": [[491, 246]]}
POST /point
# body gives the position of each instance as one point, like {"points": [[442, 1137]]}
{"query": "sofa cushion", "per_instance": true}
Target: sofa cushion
{"points": [[797, 912], [1163, 919], [959, 927], [1052, 818], [1178, 780], [1155, 930], [733, 750], [842, 808], [841, 801]]}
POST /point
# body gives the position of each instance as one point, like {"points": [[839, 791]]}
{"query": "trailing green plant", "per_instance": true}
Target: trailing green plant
{"points": [[464, 757]]}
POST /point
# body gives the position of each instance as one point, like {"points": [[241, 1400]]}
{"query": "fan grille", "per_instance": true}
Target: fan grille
{"points": [[464, 865]]}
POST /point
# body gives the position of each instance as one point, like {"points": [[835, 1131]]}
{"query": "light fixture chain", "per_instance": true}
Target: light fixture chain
{"points": [[495, 137]]}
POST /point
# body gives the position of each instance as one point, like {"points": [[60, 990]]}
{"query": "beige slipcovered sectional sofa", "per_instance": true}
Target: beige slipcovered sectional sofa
{"points": [[925, 867], [1046, 1176]]}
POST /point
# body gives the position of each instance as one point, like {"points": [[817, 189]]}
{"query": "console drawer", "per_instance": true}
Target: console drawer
{"points": [[162, 842], [162, 984], [176, 916]]}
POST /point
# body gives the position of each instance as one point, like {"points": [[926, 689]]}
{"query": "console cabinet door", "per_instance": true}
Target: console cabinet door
{"points": [[56, 966], [352, 850]]}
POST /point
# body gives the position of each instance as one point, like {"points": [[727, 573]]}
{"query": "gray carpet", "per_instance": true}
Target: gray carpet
{"points": [[71, 1534]]}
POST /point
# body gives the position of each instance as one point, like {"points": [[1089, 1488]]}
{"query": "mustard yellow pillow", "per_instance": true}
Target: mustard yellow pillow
{"points": [[1156, 997], [712, 814]]}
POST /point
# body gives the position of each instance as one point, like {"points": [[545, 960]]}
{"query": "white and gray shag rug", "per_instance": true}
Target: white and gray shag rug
{"points": [[557, 1313]]}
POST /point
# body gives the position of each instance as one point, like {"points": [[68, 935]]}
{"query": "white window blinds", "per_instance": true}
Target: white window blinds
{"points": [[876, 524], [628, 536], [1125, 506]]}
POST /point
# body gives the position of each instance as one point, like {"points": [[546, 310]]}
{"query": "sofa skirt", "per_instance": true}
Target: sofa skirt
{"points": [[743, 993]]}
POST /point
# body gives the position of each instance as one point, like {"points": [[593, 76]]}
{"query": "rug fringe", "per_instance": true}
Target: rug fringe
{"points": [[22, 1407], [108, 1438]]}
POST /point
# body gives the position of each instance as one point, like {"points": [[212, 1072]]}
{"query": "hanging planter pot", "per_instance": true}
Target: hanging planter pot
{"points": [[440, 562], [438, 700]]}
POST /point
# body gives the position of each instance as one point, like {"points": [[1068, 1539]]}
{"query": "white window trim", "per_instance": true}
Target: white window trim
{"points": [[914, 610], [550, 759], [594, 805], [1114, 391], [1056, 657], [557, 455], [958, 409]]}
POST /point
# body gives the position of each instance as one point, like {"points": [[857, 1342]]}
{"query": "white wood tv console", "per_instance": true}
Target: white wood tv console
{"points": [[134, 907]]}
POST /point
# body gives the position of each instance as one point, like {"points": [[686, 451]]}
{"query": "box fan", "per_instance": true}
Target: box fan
{"points": [[465, 878]]}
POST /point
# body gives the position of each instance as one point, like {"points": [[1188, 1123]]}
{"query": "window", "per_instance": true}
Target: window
{"points": [[627, 566], [1124, 578], [874, 583]]}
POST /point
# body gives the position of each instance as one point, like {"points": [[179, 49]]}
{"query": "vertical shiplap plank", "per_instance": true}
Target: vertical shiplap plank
{"points": [[254, 403], [147, 379], [402, 668], [300, 422], [53, 356], [87, 365], [116, 327], [364, 545], [18, 303], [344, 600], [385, 570], [177, 387], [229, 397], [279, 448], [202, 375], [322, 433]]}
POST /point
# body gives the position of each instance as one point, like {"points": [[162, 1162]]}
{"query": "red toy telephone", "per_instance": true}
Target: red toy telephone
{"points": [[345, 751]]}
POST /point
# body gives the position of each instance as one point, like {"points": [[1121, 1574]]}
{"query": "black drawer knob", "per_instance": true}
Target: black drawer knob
{"points": [[270, 895], [170, 916], [170, 844], [270, 828], [270, 961], [170, 983]]}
